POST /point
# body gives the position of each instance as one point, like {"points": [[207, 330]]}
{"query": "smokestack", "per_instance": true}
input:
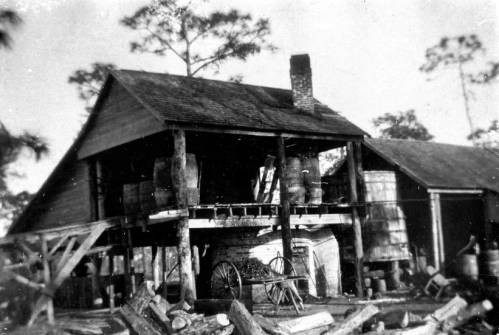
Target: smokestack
{"points": [[301, 83]]}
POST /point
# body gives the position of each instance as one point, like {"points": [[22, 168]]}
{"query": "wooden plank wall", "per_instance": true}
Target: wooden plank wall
{"points": [[65, 201], [121, 119]]}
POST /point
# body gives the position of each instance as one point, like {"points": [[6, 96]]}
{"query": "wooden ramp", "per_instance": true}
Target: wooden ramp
{"points": [[59, 250]]}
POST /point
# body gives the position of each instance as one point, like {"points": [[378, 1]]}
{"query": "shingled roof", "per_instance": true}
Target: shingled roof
{"points": [[180, 99], [437, 165]]}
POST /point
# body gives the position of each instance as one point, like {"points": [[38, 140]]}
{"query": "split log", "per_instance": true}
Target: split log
{"points": [[210, 325], [448, 310], [179, 323], [427, 329], [214, 306], [354, 320], [463, 316], [394, 319], [138, 323], [306, 322], [270, 326], [141, 298], [243, 321], [160, 318]]}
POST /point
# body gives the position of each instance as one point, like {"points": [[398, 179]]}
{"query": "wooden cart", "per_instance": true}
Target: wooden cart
{"points": [[226, 283]]}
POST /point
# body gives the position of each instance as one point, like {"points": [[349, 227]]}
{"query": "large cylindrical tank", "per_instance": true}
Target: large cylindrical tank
{"points": [[192, 179], [131, 204], [146, 196], [162, 180], [294, 180], [312, 180], [385, 231]]}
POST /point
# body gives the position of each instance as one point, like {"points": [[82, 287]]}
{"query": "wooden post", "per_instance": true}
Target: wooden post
{"points": [[187, 286], [99, 171], [436, 230], [165, 272], [111, 284], [155, 266], [357, 230], [46, 279], [127, 262], [285, 211]]}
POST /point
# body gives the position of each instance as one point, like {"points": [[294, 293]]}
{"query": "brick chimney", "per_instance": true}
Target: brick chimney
{"points": [[301, 82]]}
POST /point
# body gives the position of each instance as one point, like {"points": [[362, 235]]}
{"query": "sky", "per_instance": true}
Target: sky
{"points": [[365, 56]]}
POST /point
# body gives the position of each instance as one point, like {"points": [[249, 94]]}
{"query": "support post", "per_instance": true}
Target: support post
{"points": [[46, 280], [356, 224], [436, 231], [187, 286], [155, 266], [285, 211], [111, 279], [127, 260]]}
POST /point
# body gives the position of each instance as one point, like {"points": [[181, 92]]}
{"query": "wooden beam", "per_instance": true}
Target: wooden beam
{"points": [[266, 221], [285, 210], [436, 230], [259, 133], [187, 286], [454, 191], [65, 271], [58, 244], [66, 253], [46, 279], [49, 234], [356, 224]]}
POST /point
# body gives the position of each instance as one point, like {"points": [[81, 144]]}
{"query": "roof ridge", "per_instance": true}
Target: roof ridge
{"points": [[207, 79]]}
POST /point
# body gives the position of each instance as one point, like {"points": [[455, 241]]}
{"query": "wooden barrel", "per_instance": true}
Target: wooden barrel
{"points": [[312, 180], [192, 179], [492, 264], [380, 285], [131, 203], [146, 196], [385, 232], [162, 181], [294, 180], [467, 266]]}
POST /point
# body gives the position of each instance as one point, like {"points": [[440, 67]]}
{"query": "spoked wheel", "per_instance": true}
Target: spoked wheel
{"points": [[225, 281], [274, 292]]}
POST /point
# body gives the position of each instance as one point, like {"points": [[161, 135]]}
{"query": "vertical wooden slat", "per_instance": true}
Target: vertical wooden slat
{"points": [[285, 208], [155, 266], [46, 280], [99, 172], [93, 194], [357, 230], [436, 230], [111, 278], [187, 286], [127, 262], [164, 271]]}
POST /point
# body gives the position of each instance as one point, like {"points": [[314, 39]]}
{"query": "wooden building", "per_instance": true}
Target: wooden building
{"points": [[230, 130], [443, 193]]}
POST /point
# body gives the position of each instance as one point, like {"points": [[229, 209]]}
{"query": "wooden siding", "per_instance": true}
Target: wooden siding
{"points": [[65, 201], [120, 120]]}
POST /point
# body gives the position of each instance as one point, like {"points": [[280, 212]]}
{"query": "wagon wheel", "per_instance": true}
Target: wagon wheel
{"points": [[225, 281], [273, 291]]}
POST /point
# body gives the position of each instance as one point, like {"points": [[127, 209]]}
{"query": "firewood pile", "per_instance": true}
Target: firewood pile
{"points": [[253, 269], [147, 313]]}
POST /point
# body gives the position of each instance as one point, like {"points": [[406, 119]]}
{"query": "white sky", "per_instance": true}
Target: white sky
{"points": [[365, 58]]}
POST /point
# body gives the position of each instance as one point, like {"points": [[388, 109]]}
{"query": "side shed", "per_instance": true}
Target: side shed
{"points": [[447, 192]]}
